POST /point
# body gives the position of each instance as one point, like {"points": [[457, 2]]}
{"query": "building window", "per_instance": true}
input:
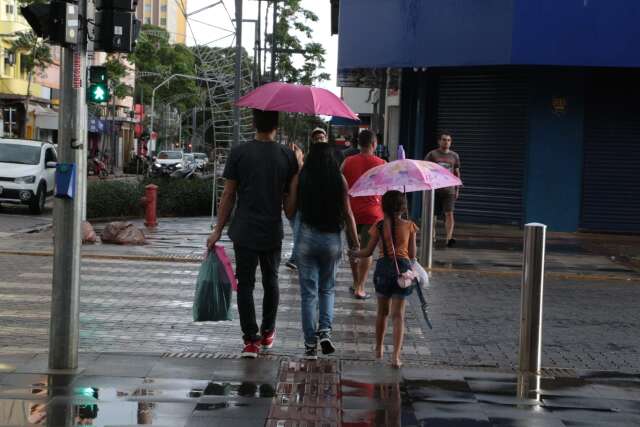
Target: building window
{"points": [[8, 9], [163, 22], [163, 8], [147, 21]]}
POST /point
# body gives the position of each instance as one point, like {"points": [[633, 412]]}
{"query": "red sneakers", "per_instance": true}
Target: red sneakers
{"points": [[268, 338], [251, 350]]}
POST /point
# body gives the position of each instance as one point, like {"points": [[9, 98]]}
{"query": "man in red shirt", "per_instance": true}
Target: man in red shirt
{"points": [[366, 210]]}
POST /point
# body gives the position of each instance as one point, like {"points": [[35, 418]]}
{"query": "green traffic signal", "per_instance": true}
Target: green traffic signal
{"points": [[98, 92]]}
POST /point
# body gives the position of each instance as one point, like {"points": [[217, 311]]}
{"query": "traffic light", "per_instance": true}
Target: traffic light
{"points": [[98, 93], [98, 90], [117, 26], [57, 21]]}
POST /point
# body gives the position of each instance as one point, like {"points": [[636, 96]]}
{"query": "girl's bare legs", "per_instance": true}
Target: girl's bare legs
{"points": [[397, 314], [381, 325]]}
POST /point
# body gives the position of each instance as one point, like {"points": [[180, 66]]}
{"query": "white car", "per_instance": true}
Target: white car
{"points": [[170, 159], [27, 172]]}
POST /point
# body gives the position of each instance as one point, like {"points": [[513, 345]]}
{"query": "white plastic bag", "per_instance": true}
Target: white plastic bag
{"points": [[421, 274]]}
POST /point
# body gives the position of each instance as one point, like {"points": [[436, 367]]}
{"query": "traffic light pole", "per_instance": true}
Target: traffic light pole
{"points": [[64, 328]]}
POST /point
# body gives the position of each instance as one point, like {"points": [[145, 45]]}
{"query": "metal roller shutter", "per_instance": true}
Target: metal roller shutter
{"points": [[487, 115], [611, 181]]}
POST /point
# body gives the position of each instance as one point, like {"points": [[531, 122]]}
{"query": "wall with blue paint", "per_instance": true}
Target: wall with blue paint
{"points": [[553, 188]]}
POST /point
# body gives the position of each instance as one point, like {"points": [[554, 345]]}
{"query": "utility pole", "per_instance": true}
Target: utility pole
{"points": [[274, 40], [236, 89], [64, 329]]}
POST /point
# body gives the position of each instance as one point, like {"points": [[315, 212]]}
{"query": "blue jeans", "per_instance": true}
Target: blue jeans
{"points": [[295, 227], [318, 256]]}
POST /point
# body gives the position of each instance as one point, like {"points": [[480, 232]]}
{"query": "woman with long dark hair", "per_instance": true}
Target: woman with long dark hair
{"points": [[323, 208]]}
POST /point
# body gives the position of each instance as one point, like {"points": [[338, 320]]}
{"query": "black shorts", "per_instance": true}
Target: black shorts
{"points": [[445, 201]]}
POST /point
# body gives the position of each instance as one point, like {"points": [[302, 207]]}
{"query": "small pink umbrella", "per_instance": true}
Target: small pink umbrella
{"points": [[292, 98], [404, 175]]}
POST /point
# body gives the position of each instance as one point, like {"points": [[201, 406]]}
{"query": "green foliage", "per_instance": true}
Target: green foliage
{"points": [[180, 197], [116, 70], [292, 25], [113, 199], [155, 60], [176, 197], [35, 54]]}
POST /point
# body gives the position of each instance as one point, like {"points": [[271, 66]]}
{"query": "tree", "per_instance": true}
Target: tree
{"points": [[293, 23], [116, 70], [35, 55], [292, 27], [155, 60]]}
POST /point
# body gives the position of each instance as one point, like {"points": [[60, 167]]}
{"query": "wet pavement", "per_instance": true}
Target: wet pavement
{"points": [[132, 389], [484, 249], [16, 219], [140, 298]]}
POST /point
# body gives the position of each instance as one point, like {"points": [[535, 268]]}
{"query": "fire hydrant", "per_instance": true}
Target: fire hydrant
{"points": [[150, 203]]}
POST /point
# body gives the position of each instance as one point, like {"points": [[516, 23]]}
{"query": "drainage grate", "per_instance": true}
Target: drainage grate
{"points": [[200, 355]]}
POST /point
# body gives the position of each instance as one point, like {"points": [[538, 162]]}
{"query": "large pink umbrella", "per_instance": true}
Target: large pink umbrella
{"points": [[403, 175], [292, 98]]}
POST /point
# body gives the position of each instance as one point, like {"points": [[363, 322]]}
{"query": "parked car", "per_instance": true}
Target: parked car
{"points": [[201, 160], [27, 172]]}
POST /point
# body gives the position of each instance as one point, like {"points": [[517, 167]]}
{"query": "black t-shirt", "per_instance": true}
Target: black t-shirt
{"points": [[263, 171]]}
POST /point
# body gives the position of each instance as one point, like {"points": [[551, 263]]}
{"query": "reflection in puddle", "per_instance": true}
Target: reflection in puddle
{"points": [[54, 401]]}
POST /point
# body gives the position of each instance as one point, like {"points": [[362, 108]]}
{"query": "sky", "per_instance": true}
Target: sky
{"points": [[215, 23]]}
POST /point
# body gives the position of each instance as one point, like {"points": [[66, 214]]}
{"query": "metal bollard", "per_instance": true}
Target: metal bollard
{"points": [[150, 202], [531, 309], [426, 229]]}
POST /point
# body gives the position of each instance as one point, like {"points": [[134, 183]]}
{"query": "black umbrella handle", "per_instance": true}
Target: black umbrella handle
{"points": [[424, 306]]}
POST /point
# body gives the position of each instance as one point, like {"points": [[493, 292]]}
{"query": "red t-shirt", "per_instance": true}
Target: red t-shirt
{"points": [[367, 209]]}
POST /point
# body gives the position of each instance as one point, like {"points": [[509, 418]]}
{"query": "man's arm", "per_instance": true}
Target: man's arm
{"points": [[227, 202]]}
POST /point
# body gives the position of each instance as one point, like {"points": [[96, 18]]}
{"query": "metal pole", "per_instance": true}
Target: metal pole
{"points": [[531, 308], [65, 294], [238, 71], [426, 230], [274, 40], [259, 43]]}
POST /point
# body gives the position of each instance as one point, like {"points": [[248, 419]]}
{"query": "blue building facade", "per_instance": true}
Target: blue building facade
{"points": [[542, 98]]}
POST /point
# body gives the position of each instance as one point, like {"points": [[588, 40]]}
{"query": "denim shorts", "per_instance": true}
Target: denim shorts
{"points": [[385, 278]]}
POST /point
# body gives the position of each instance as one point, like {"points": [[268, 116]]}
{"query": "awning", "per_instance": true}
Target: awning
{"points": [[46, 118], [456, 33]]}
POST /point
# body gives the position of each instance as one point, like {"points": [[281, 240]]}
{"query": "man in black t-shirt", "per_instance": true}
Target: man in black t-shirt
{"points": [[258, 175]]}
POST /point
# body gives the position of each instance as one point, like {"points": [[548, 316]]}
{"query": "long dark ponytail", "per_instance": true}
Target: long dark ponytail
{"points": [[321, 192]]}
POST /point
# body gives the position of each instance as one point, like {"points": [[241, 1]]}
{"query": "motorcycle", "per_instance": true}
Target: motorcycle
{"points": [[97, 167], [188, 171]]}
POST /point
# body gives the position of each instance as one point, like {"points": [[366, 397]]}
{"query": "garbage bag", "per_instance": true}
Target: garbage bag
{"points": [[122, 233], [88, 234], [212, 301]]}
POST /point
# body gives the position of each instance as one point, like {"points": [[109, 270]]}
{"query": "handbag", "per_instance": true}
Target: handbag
{"points": [[405, 279]]}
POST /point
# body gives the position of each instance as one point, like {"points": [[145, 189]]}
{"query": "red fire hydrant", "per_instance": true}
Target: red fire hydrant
{"points": [[150, 203]]}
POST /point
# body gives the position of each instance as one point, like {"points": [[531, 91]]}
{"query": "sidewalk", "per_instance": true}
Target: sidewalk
{"points": [[126, 389], [481, 249]]}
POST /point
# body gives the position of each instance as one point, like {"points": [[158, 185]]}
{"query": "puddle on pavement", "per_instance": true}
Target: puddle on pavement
{"points": [[314, 394], [52, 401]]}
